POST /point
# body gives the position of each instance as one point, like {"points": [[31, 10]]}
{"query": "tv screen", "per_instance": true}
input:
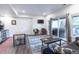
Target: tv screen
{"points": [[40, 21]]}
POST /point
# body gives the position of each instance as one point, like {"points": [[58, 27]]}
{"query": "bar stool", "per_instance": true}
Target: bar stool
{"points": [[19, 39]]}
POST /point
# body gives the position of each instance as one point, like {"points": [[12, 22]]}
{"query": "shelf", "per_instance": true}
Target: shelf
{"points": [[3, 35]]}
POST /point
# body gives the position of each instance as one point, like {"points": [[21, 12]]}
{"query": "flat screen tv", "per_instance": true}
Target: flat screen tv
{"points": [[40, 21]]}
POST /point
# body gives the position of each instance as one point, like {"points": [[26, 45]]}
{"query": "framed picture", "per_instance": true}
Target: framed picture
{"points": [[13, 22]]}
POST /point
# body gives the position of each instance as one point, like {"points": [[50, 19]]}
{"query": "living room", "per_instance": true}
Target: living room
{"points": [[38, 21]]}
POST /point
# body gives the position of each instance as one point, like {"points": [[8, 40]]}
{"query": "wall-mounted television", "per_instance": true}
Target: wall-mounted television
{"points": [[39, 21]]}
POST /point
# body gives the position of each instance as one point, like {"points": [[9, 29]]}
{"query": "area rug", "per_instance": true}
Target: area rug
{"points": [[5, 46]]}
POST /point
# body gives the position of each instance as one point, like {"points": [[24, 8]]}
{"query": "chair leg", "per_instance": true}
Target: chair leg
{"points": [[14, 44]]}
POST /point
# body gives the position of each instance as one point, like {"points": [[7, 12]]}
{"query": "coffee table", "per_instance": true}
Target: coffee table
{"points": [[50, 41]]}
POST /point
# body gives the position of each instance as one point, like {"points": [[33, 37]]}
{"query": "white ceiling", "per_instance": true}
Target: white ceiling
{"points": [[18, 10]]}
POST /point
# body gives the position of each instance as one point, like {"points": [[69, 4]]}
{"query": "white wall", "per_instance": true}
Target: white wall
{"points": [[23, 25], [39, 26]]}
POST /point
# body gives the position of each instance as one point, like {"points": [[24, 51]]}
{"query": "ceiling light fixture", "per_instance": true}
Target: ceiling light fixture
{"points": [[24, 11], [44, 13]]}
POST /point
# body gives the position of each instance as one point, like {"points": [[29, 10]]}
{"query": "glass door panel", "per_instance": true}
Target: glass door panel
{"points": [[54, 28], [62, 28]]}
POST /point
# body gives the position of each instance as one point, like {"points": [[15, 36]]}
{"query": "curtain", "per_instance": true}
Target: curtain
{"points": [[68, 28]]}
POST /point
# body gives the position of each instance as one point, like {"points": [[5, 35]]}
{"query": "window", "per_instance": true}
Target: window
{"points": [[75, 23]]}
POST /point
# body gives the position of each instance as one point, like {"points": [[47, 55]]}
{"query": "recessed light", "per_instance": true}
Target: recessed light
{"points": [[44, 13], [24, 11]]}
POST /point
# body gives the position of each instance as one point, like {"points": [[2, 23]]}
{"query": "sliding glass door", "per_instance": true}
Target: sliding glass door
{"points": [[58, 27]]}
